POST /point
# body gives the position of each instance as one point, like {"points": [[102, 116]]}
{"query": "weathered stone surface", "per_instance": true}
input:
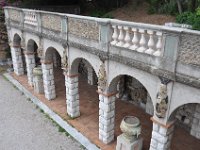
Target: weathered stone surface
{"points": [[14, 15], [190, 49], [51, 22], [83, 28]]}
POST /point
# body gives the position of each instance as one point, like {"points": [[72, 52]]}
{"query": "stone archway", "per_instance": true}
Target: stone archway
{"points": [[125, 96], [17, 55], [32, 59], [186, 126], [80, 74], [52, 73]]}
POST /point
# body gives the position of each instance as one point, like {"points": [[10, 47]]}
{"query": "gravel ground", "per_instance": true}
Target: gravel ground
{"points": [[24, 127]]}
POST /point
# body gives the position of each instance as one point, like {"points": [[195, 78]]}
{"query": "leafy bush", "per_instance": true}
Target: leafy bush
{"points": [[190, 18]]}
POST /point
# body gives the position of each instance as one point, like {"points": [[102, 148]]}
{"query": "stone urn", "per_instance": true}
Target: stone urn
{"points": [[131, 128], [38, 80], [37, 72]]}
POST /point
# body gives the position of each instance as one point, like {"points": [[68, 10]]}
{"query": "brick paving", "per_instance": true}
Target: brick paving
{"points": [[88, 122]]}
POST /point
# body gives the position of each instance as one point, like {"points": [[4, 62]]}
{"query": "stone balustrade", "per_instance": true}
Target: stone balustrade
{"points": [[30, 18], [138, 39]]}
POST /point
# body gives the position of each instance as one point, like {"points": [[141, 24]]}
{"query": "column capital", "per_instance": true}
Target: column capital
{"points": [[46, 62], [70, 75], [107, 94], [167, 125], [29, 53]]}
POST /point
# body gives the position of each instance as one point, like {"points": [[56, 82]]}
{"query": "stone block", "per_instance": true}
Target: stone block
{"points": [[104, 107], [101, 98], [109, 114], [73, 92], [72, 80], [108, 140], [159, 137], [154, 143], [155, 127], [104, 121], [109, 128]]}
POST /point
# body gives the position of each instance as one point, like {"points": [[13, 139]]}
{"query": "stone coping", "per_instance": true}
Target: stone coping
{"points": [[72, 131]]}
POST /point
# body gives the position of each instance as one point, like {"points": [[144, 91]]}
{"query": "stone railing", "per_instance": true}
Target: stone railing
{"points": [[30, 17], [137, 37]]}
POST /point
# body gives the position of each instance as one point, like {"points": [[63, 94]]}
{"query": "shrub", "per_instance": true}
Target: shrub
{"points": [[190, 18]]}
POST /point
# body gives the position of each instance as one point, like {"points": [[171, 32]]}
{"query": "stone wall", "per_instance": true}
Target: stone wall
{"points": [[52, 22], [14, 15], [189, 52], [184, 116], [83, 28]]}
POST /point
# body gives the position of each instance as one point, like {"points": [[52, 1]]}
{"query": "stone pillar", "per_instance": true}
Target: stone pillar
{"points": [[195, 129], [90, 75], [48, 80], [161, 136], [17, 60], [30, 64], [106, 117], [72, 95]]}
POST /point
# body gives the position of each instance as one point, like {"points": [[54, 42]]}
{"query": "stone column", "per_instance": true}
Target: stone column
{"points": [[17, 60], [48, 80], [30, 64], [195, 129], [72, 95], [161, 136], [90, 75], [106, 117]]}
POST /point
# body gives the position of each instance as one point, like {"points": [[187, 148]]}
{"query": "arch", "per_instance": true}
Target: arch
{"points": [[29, 37], [16, 39], [112, 87], [149, 81], [75, 64], [172, 115], [48, 44], [48, 53], [182, 95], [31, 45]]}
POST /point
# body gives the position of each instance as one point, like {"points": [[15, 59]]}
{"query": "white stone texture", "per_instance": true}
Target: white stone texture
{"points": [[195, 128], [17, 60], [48, 79], [161, 137], [124, 144], [30, 64], [72, 95], [106, 118]]}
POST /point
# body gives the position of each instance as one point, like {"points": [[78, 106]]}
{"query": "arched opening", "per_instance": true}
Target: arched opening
{"points": [[32, 59], [56, 81], [132, 99], [88, 122], [187, 125], [18, 58], [32, 48]]}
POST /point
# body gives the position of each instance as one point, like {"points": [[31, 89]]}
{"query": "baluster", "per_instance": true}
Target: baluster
{"points": [[142, 43], [159, 44], [127, 38], [151, 43], [121, 37], [135, 39], [115, 35]]}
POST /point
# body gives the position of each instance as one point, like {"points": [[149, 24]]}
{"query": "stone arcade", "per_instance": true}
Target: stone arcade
{"points": [[154, 67]]}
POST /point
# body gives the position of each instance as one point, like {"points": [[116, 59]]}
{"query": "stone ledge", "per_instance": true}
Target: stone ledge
{"points": [[72, 131]]}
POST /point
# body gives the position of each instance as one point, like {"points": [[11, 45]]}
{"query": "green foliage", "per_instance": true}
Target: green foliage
{"points": [[101, 14], [190, 18]]}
